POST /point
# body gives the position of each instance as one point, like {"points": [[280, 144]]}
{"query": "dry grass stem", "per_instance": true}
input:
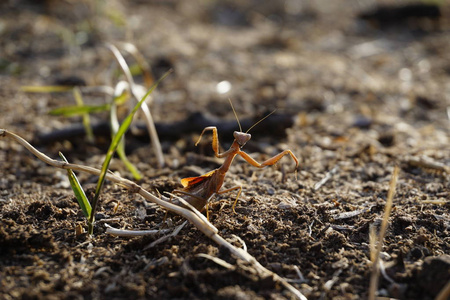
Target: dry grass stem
{"points": [[244, 246], [377, 243], [201, 223], [137, 94], [140, 59], [217, 260]]}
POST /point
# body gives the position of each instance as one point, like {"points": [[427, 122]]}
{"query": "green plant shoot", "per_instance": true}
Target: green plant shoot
{"points": [[46, 88], [76, 110], [86, 119], [114, 124], [83, 202], [113, 146]]}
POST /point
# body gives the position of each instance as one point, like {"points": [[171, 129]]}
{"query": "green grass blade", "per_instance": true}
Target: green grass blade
{"points": [[69, 111], [83, 202], [46, 88], [80, 110], [86, 119], [136, 70], [122, 98], [114, 123], [133, 170], [114, 144]]}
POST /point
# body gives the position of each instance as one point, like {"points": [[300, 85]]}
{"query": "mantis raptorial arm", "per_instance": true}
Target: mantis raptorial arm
{"points": [[215, 142]]}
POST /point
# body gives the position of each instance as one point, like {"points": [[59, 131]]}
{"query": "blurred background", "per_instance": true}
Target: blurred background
{"points": [[352, 63]]}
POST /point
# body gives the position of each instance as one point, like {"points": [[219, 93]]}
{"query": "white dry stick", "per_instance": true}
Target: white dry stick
{"points": [[166, 237], [244, 246], [329, 284], [202, 224], [137, 95], [140, 59], [299, 273], [130, 233], [327, 177], [426, 162], [441, 201], [383, 272], [351, 214]]}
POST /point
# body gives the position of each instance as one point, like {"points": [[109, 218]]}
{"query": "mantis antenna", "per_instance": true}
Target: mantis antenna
{"points": [[260, 120], [237, 119], [239, 123]]}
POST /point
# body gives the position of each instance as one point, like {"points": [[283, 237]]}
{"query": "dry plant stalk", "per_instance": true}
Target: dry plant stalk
{"points": [[376, 244], [200, 222], [137, 95]]}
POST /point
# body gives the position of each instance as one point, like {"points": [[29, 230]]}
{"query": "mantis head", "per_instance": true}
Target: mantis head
{"points": [[241, 137]]}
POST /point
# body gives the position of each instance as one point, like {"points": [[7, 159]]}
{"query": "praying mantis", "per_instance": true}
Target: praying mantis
{"points": [[198, 191]]}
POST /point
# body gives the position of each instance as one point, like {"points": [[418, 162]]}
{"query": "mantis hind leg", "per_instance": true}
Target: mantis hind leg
{"points": [[237, 196]]}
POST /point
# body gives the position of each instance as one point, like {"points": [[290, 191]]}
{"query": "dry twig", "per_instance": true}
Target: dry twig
{"points": [[327, 177]]}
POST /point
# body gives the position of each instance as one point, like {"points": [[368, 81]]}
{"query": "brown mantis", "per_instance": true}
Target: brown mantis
{"points": [[197, 191]]}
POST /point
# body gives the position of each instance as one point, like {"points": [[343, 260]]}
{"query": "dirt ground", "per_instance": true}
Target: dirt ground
{"points": [[355, 96]]}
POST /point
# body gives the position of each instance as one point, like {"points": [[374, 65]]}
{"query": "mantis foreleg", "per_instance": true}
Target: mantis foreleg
{"points": [[215, 142]]}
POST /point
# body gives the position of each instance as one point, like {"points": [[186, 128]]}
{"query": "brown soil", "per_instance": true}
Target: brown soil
{"points": [[353, 97]]}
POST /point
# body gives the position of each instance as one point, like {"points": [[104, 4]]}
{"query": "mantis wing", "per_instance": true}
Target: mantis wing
{"points": [[190, 181]]}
